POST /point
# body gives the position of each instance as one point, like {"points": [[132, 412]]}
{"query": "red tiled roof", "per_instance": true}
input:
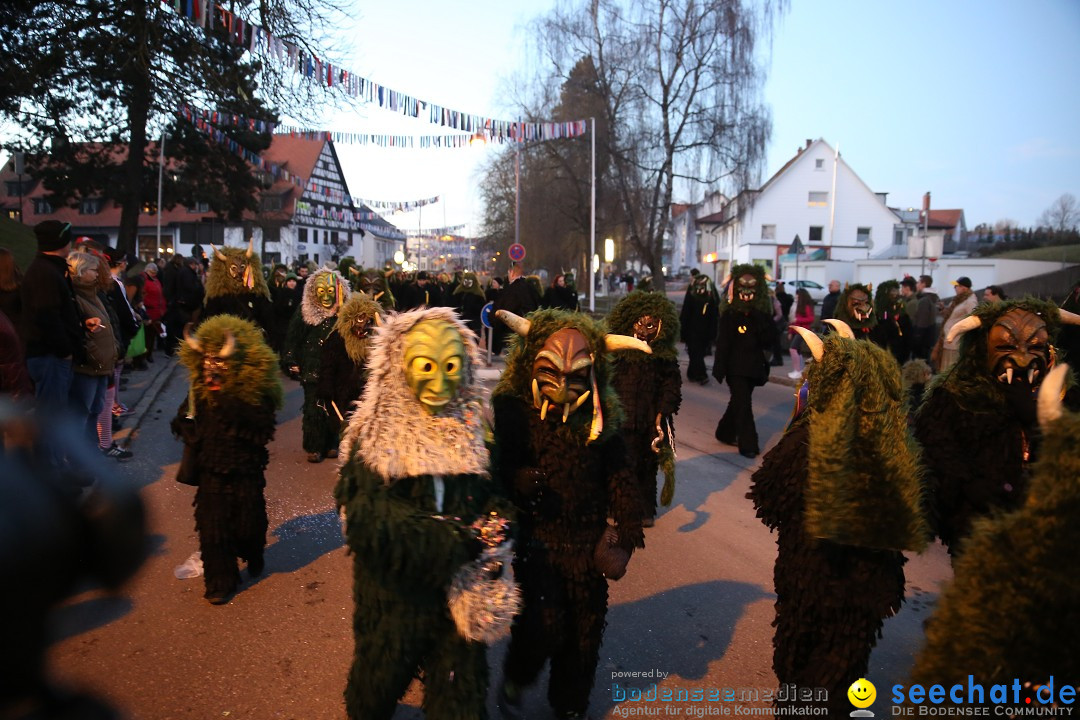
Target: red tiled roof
{"points": [[945, 218], [678, 209]]}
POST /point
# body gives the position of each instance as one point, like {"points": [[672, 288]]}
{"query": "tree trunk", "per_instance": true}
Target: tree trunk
{"points": [[131, 207]]}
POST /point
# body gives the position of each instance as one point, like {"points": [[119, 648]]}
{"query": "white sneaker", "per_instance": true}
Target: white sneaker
{"points": [[795, 375]]}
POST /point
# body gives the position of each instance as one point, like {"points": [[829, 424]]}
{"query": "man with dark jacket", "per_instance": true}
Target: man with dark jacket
{"points": [[518, 297], [51, 328]]}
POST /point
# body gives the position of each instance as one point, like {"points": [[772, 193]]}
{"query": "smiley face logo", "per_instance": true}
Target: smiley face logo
{"points": [[862, 693]]}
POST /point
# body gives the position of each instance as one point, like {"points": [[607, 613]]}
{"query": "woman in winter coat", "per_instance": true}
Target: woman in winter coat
{"points": [[154, 302], [91, 378], [803, 317]]}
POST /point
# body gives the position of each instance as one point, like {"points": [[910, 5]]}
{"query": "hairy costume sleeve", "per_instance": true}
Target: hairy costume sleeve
{"points": [[511, 460], [776, 486], [397, 538], [670, 391], [294, 340], [624, 497], [333, 361]]}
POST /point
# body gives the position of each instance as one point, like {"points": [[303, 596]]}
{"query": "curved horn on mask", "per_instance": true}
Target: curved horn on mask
{"points": [[1049, 403], [217, 253], [625, 342], [515, 322], [228, 347], [1069, 318], [251, 246], [191, 340], [768, 277], [817, 348], [842, 328], [971, 322]]}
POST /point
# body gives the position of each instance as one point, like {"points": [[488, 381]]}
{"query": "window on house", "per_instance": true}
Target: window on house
{"points": [[13, 214], [314, 237], [42, 207], [815, 233], [301, 235], [898, 237], [334, 238], [272, 234], [148, 247], [199, 207], [90, 206], [816, 199], [862, 235], [17, 187], [819, 164], [768, 232], [270, 203]]}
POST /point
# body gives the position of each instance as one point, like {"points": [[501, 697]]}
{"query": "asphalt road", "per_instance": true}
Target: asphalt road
{"points": [[695, 606]]}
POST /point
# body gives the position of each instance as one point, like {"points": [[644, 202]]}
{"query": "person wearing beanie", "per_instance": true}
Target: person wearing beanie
{"points": [[51, 330]]}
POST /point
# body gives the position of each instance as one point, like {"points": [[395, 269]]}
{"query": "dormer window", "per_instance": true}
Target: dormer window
{"points": [[90, 206]]}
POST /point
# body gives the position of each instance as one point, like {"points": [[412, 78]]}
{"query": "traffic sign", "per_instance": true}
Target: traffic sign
{"points": [[516, 252], [485, 315]]}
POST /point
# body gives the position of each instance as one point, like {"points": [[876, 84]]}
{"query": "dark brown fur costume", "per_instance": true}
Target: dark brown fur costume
{"points": [[564, 489]]}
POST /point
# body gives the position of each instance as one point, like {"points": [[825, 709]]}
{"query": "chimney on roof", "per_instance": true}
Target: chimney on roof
{"points": [[808, 141]]}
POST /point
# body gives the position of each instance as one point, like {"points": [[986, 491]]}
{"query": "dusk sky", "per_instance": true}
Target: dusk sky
{"points": [[976, 101]]}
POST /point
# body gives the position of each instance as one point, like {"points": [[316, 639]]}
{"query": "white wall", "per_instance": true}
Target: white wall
{"points": [[982, 272]]}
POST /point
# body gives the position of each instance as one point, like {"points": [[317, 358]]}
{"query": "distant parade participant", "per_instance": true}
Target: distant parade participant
{"points": [[743, 342], [650, 388], [855, 309], [343, 363], [559, 296], [842, 489], [468, 299], [559, 455], [235, 285], [977, 423], [697, 321], [426, 524], [376, 285], [1010, 612], [893, 328], [324, 293], [226, 423]]}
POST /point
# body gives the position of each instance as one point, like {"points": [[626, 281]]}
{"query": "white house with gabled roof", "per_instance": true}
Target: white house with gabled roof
{"points": [[816, 196]]}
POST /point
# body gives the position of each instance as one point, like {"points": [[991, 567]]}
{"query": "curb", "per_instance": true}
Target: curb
{"points": [[127, 435]]}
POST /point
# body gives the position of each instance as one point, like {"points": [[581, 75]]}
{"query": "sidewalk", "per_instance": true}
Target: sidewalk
{"points": [[143, 389]]}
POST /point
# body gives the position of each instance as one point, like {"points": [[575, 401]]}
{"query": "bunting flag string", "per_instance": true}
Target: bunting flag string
{"points": [[398, 206], [208, 14], [212, 117], [437, 233], [410, 142], [253, 158]]}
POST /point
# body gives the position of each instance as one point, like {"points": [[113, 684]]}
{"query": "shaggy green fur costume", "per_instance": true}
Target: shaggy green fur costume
{"points": [[973, 435], [832, 595], [648, 385], [565, 488], [406, 549], [309, 330], [1013, 609], [231, 271], [225, 434], [343, 359], [864, 465]]}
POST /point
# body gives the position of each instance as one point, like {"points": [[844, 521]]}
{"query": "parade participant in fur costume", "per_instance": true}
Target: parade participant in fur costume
{"points": [[560, 457], [977, 423], [373, 283], [697, 323], [226, 423], [420, 509], [842, 488], [324, 293], [343, 363], [893, 326], [468, 299], [855, 310], [650, 389], [1013, 608], [235, 285], [744, 343]]}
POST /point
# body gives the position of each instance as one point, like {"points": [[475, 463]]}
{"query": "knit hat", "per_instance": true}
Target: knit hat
{"points": [[115, 255], [52, 235]]}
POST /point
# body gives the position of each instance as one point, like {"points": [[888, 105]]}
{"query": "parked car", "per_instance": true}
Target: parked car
{"points": [[817, 292]]}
